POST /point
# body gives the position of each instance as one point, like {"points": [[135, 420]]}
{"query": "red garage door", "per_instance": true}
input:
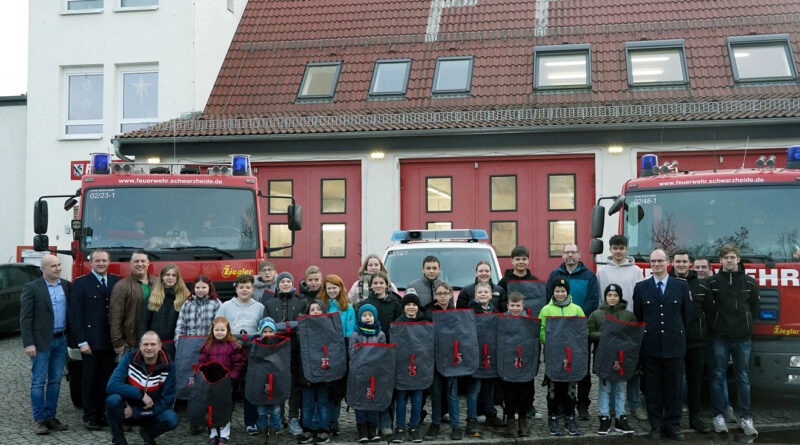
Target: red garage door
{"points": [[542, 202]]}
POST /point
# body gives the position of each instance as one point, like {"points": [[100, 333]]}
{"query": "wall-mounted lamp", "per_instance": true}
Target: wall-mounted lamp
{"points": [[154, 160], [377, 154], [615, 149]]}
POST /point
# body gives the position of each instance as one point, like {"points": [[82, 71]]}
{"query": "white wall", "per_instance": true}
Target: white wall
{"points": [[12, 158]]}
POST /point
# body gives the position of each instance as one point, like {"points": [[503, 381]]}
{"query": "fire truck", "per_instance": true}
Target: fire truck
{"points": [[207, 219], [755, 208]]}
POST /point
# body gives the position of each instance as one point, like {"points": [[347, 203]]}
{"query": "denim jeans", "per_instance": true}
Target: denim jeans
{"points": [[440, 385], [367, 416], [473, 390], [167, 420], [334, 410], [604, 392], [633, 387], [269, 416], [47, 370], [739, 352], [315, 396], [400, 400]]}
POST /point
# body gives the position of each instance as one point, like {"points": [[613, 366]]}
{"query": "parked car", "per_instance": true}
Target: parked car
{"points": [[12, 277]]}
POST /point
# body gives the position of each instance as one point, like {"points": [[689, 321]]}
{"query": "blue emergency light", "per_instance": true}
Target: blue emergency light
{"points": [[101, 163], [649, 165], [405, 236], [240, 164], [793, 157]]}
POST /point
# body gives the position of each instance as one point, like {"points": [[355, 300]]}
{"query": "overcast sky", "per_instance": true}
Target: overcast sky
{"points": [[14, 48]]}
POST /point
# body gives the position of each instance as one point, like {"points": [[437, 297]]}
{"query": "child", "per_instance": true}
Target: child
{"points": [[222, 347], [519, 278], [560, 395], [517, 396], [368, 330], [614, 306], [333, 294], [269, 416], [411, 313], [315, 399], [480, 387], [311, 285], [197, 313]]}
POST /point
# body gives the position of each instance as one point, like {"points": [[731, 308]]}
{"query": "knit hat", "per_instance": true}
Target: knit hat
{"points": [[320, 303], [559, 282], [410, 297], [367, 307], [615, 288], [283, 275], [267, 322]]}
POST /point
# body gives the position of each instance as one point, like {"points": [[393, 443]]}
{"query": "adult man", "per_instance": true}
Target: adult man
{"points": [[695, 337], [431, 268], [141, 391], [732, 308], [702, 267], [623, 271], [664, 304], [583, 289], [43, 324], [125, 304], [88, 320], [265, 283]]}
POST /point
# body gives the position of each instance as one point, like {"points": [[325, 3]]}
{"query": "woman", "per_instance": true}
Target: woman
{"points": [[163, 306], [360, 289], [483, 274]]}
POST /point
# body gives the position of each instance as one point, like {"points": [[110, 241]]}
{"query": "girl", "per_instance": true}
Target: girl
{"points": [[222, 347], [315, 398], [368, 330], [359, 291], [198, 311], [483, 274], [161, 313]]}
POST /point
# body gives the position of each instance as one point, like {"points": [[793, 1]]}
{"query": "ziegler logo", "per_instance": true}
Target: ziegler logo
{"points": [[228, 271]]}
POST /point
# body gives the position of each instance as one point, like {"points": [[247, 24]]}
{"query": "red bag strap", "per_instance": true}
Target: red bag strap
{"points": [[412, 368], [568, 364], [455, 352]]}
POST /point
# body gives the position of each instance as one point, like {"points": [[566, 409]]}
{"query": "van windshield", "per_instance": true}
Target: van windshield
{"points": [[458, 265]]}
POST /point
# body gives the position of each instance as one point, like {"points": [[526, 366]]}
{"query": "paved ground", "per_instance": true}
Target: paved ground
{"points": [[772, 412]]}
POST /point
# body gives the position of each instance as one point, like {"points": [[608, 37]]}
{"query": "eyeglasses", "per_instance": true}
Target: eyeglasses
{"points": [[268, 269], [442, 294]]}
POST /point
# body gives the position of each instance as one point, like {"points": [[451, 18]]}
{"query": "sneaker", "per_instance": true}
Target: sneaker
{"points": [[386, 431], [456, 434], [446, 418], [40, 428], [730, 416], [146, 436], [399, 435], [533, 414], [305, 438], [294, 427], [472, 427], [363, 432], [571, 426], [433, 431], [621, 425], [494, 422], [640, 413], [583, 412], [746, 424], [553, 426], [55, 425], [415, 435], [719, 424], [334, 428], [605, 425], [252, 430], [481, 419], [321, 438]]}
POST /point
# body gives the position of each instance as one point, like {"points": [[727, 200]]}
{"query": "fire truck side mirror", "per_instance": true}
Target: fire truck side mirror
{"points": [[598, 221], [618, 204], [41, 243], [295, 217], [596, 246], [40, 217]]}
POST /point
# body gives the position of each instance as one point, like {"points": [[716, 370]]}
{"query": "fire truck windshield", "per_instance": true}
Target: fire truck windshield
{"points": [[761, 220], [167, 219]]}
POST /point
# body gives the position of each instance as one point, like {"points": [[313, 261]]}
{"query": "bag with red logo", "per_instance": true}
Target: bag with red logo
{"points": [[210, 399], [323, 353], [566, 354], [370, 383], [269, 380], [617, 353], [486, 328], [188, 350], [414, 367], [455, 342], [518, 348]]}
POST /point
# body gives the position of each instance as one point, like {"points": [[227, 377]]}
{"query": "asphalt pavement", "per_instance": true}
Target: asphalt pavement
{"points": [[776, 416]]}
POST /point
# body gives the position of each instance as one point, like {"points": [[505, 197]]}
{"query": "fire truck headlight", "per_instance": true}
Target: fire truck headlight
{"points": [[794, 361], [793, 379], [240, 165], [100, 163]]}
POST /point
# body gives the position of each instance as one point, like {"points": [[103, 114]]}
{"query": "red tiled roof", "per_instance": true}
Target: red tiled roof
{"points": [[256, 90]]}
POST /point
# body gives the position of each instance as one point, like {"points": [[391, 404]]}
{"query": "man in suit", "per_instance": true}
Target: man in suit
{"points": [[89, 330], [43, 324], [664, 304]]}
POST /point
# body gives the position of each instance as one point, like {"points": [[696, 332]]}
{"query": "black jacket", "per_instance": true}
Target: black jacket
{"points": [[502, 306], [294, 306], [697, 331], [388, 308], [88, 311], [467, 294], [164, 321], [733, 305]]}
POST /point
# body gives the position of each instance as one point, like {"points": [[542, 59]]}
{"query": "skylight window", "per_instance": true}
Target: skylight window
{"points": [[453, 75], [761, 58], [390, 78], [656, 63], [562, 66], [319, 80]]}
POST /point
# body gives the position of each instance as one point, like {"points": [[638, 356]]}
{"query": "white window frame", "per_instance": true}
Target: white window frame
{"points": [[67, 9], [309, 71], [762, 41], [120, 7], [633, 49], [68, 73], [376, 73], [437, 91], [553, 51], [134, 69]]}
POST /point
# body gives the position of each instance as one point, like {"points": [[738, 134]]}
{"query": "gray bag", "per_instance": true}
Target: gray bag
{"points": [[414, 366], [323, 353], [617, 353], [186, 355], [535, 293], [210, 398], [456, 342], [370, 383], [566, 354], [518, 348], [269, 380], [486, 328]]}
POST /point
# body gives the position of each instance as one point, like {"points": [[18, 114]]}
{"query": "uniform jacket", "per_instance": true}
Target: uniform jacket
{"points": [[626, 275], [583, 286], [697, 332], [228, 354], [88, 311], [733, 305], [595, 321], [131, 380], [36, 316], [551, 310], [125, 309], [667, 317]]}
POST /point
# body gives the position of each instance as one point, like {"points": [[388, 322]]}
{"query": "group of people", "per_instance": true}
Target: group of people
{"points": [[127, 329]]}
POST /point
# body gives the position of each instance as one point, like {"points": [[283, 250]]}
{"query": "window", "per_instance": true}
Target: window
{"points": [[453, 75], [503, 193], [280, 237], [84, 103], [761, 58], [561, 233], [333, 196], [440, 194], [319, 80], [333, 240], [561, 192], [390, 78], [80, 5], [656, 63], [138, 3], [279, 188], [139, 100], [562, 66], [504, 237], [439, 225]]}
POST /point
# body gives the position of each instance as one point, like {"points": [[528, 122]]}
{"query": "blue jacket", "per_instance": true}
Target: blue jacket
{"points": [[583, 286], [131, 380]]}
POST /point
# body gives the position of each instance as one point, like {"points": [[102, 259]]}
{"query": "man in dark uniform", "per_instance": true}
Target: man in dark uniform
{"points": [[664, 304], [89, 330]]}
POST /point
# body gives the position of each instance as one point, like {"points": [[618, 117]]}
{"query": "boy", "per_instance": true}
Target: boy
{"points": [[311, 284], [265, 283], [411, 313], [269, 416], [368, 330], [480, 388], [517, 396], [425, 285]]}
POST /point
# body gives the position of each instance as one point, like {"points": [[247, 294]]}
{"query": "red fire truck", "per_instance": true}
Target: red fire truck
{"points": [[757, 209], [207, 219]]}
